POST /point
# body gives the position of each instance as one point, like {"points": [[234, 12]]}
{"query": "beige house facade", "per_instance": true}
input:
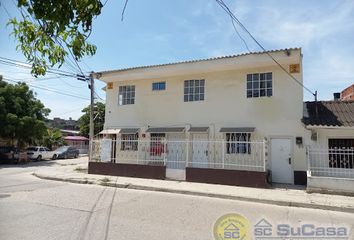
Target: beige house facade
{"points": [[331, 149], [234, 101]]}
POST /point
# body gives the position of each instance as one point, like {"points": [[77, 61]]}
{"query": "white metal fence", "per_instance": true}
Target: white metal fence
{"points": [[179, 154], [331, 162]]}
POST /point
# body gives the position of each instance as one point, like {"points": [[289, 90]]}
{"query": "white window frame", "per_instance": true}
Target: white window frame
{"points": [[259, 85], [194, 90], [126, 95]]}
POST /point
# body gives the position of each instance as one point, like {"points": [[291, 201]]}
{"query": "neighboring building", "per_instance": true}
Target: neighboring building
{"points": [[235, 116], [66, 132], [347, 94], [331, 152]]}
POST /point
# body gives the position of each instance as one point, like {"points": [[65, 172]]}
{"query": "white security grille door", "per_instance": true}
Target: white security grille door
{"points": [[281, 161], [176, 156], [176, 151], [200, 150]]}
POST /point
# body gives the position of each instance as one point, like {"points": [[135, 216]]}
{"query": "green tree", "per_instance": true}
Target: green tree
{"points": [[50, 30], [21, 114], [52, 137], [84, 120]]}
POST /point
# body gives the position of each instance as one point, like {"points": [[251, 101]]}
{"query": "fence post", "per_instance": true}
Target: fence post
{"points": [[90, 150], [308, 160], [264, 156], [223, 153], [165, 151], [137, 152], [187, 152]]}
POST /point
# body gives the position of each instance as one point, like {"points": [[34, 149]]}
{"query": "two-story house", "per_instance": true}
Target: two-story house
{"points": [[212, 120]]}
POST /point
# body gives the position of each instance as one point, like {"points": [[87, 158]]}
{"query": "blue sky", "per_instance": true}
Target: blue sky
{"points": [[158, 31]]}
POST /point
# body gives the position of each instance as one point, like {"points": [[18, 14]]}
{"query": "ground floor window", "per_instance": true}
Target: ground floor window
{"points": [[129, 142], [157, 147], [238, 143], [341, 153]]}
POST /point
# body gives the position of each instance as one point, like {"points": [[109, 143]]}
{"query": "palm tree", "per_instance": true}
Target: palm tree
{"points": [[53, 138]]}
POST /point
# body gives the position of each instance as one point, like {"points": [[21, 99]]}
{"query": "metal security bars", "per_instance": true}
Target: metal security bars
{"points": [[331, 162], [174, 154]]}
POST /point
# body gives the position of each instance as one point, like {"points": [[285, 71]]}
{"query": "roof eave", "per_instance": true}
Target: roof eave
{"points": [[328, 127], [203, 65]]}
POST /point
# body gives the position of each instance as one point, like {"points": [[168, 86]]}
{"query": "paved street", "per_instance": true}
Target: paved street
{"points": [[32, 208]]}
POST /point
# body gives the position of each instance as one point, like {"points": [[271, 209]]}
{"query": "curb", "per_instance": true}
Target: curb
{"points": [[212, 195]]}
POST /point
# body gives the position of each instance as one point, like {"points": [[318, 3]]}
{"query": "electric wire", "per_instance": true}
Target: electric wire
{"points": [[234, 18], [48, 89], [7, 12]]}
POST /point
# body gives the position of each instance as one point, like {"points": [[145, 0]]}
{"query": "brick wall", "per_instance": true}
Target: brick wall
{"points": [[347, 94]]}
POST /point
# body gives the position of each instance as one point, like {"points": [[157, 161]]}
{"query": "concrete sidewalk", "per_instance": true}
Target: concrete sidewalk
{"points": [[77, 173]]}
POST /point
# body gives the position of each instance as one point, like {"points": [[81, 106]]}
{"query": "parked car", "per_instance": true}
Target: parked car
{"points": [[9, 154], [66, 152], [38, 153]]}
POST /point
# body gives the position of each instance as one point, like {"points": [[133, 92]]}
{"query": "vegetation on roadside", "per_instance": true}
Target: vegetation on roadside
{"points": [[84, 120], [22, 115], [52, 138]]}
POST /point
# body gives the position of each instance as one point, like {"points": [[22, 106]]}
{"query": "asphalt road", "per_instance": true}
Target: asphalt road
{"points": [[31, 208]]}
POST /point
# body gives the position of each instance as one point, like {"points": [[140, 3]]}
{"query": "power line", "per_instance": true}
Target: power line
{"points": [[70, 111], [54, 40], [7, 12], [123, 11], [63, 81], [98, 96], [12, 62], [48, 89], [29, 65], [239, 35], [36, 81], [234, 18]]}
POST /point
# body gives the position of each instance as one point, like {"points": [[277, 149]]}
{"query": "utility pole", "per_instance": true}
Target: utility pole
{"points": [[92, 90]]}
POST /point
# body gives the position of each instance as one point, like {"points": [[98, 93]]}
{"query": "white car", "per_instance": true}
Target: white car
{"points": [[38, 153]]}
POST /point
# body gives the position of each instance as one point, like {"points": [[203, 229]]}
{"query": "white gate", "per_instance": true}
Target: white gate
{"points": [[200, 150], [176, 156]]}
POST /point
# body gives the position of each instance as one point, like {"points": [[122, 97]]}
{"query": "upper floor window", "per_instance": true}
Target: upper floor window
{"points": [[259, 85], [126, 95], [194, 90], [158, 86]]}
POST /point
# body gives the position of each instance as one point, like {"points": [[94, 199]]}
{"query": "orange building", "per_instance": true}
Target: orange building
{"points": [[347, 94]]}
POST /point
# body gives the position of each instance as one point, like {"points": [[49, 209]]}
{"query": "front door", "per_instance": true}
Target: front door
{"points": [[200, 150], [281, 162]]}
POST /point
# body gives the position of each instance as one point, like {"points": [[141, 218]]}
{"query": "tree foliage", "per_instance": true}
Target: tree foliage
{"points": [[21, 114], [50, 30], [84, 120], [52, 137]]}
